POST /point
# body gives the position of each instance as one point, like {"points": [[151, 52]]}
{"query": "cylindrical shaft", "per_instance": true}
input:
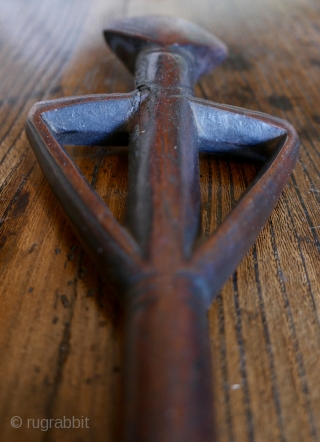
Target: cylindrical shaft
{"points": [[167, 381], [164, 189]]}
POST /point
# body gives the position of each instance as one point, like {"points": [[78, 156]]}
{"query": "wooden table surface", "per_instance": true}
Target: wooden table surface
{"points": [[60, 331]]}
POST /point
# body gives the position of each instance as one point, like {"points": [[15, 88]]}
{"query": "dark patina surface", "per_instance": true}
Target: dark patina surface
{"points": [[167, 273]]}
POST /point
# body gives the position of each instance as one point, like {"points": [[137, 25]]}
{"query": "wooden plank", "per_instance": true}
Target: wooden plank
{"points": [[60, 331]]}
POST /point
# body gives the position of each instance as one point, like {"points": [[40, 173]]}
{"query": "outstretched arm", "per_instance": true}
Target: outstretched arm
{"points": [[84, 120], [226, 129]]}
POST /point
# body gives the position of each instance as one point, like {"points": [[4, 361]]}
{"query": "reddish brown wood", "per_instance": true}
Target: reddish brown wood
{"points": [[168, 274]]}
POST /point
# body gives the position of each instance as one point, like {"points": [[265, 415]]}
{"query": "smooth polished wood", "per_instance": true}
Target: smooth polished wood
{"points": [[60, 331]]}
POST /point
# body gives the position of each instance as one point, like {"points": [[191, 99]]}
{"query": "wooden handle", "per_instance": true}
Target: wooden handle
{"points": [[167, 383]]}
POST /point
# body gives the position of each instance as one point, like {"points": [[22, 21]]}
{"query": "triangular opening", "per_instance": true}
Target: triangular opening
{"points": [[106, 170], [223, 182]]}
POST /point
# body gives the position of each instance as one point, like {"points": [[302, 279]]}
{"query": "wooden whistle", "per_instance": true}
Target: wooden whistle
{"points": [[166, 273]]}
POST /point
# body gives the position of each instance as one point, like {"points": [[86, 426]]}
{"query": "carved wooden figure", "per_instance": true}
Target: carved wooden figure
{"points": [[167, 274]]}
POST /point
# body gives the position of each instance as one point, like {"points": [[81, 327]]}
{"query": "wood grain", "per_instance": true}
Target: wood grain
{"points": [[60, 331]]}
